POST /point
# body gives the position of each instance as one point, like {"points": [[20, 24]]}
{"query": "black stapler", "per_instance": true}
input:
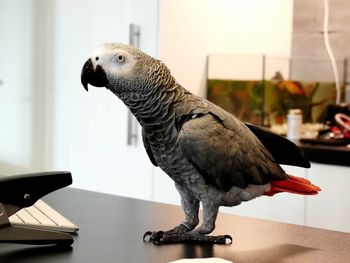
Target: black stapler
{"points": [[19, 191]]}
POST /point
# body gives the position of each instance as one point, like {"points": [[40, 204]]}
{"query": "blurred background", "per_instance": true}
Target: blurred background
{"points": [[49, 122]]}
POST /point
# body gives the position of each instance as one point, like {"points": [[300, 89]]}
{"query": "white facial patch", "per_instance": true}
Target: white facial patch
{"points": [[115, 61]]}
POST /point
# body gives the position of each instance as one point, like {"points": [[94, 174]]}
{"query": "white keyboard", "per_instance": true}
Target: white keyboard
{"points": [[42, 216]]}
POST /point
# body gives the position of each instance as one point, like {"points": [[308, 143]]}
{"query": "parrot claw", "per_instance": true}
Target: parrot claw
{"points": [[154, 237], [161, 237], [148, 233], [229, 240]]}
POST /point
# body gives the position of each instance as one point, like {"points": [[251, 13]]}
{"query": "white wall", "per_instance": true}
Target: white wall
{"points": [[189, 30], [145, 13], [192, 29]]}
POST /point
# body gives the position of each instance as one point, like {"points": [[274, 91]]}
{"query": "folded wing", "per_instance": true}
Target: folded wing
{"points": [[227, 157]]}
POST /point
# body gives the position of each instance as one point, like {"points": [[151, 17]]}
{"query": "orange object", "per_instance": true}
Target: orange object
{"points": [[292, 87]]}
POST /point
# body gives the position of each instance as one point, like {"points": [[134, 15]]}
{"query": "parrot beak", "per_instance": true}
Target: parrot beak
{"points": [[96, 77]]}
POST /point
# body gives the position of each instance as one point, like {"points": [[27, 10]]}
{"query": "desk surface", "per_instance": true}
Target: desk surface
{"points": [[111, 230]]}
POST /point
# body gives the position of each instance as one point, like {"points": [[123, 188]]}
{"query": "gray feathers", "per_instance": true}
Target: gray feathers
{"points": [[191, 139], [224, 157]]}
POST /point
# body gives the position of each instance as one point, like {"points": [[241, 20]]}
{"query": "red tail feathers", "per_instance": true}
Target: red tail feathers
{"points": [[293, 184]]}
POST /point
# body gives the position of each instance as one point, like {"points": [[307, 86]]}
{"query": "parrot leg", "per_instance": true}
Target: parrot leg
{"points": [[190, 205], [182, 233]]}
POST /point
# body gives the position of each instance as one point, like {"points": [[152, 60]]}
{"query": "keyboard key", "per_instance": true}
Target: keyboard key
{"points": [[43, 216], [40, 215], [27, 218]]}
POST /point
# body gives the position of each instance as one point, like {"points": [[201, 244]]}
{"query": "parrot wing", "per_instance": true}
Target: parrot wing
{"points": [[226, 157], [283, 150]]}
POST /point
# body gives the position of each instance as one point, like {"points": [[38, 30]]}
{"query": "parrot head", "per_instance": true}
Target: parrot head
{"points": [[121, 68]]}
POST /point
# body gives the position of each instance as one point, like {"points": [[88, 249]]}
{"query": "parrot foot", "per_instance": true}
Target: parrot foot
{"points": [[161, 237]]}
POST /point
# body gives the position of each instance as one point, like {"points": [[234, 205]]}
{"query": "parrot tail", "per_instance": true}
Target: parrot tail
{"points": [[293, 184]]}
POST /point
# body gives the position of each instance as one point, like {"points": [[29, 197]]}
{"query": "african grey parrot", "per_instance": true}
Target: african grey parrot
{"points": [[212, 157]]}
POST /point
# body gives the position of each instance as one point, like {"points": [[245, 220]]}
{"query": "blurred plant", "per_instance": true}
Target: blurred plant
{"points": [[288, 94], [241, 98], [244, 98]]}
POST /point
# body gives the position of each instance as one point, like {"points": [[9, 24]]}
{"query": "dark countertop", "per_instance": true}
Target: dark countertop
{"points": [[336, 155], [111, 230]]}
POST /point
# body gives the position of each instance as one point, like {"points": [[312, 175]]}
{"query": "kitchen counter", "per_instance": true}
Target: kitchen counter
{"points": [[335, 155]]}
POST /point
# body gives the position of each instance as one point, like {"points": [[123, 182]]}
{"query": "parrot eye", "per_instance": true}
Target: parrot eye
{"points": [[120, 58]]}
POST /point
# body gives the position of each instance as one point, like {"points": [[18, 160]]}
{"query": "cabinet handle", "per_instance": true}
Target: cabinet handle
{"points": [[132, 130], [134, 35]]}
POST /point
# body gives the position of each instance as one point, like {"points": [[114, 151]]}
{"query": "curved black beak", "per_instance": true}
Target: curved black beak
{"points": [[96, 77]]}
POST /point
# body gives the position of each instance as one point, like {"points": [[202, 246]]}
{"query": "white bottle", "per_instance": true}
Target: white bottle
{"points": [[295, 121]]}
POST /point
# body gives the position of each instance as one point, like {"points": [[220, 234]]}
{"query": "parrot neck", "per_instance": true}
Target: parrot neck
{"points": [[154, 108]]}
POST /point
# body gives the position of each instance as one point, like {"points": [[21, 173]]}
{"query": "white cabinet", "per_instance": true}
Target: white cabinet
{"points": [[89, 137], [331, 207]]}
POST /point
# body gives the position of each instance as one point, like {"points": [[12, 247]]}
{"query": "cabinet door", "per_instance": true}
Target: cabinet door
{"points": [[90, 129], [331, 207]]}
